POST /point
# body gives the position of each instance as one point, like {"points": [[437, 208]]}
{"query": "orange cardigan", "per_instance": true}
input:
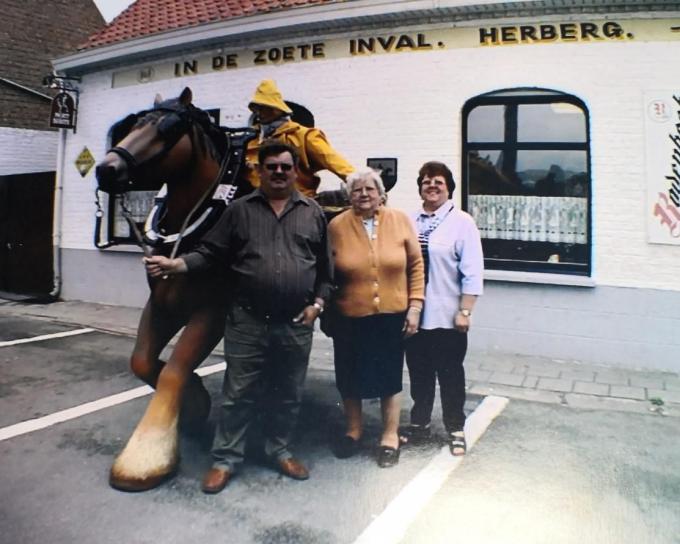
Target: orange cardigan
{"points": [[380, 275]]}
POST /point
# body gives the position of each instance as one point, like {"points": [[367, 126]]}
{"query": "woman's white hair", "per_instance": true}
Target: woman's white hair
{"points": [[365, 174]]}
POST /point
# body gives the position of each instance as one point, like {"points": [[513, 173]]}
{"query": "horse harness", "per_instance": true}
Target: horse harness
{"points": [[177, 122]]}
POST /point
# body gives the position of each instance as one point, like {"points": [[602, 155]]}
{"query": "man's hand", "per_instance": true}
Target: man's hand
{"points": [[308, 315], [160, 267]]}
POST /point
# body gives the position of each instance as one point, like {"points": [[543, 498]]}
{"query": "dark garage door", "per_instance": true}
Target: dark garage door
{"points": [[26, 212]]}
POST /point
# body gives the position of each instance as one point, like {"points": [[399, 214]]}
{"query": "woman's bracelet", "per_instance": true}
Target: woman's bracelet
{"points": [[415, 309]]}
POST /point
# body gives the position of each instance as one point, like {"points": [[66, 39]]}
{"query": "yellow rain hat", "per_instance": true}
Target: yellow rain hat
{"points": [[268, 94]]}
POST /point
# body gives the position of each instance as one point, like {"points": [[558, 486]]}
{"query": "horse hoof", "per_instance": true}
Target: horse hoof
{"points": [[148, 459], [134, 485]]}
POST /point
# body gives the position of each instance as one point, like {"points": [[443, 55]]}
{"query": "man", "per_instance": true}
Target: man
{"points": [[273, 246], [272, 118]]}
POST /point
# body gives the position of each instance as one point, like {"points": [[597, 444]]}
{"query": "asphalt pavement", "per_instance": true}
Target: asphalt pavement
{"points": [[551, 468]]}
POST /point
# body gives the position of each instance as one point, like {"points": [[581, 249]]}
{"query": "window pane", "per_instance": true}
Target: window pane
{"points": [[485, 124], [486, 174], [555, 122], [536, 213], [139, 204], [553, 173]]}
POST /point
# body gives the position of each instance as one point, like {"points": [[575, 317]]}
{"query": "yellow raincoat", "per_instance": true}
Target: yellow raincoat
{"points": [[315, 154]]}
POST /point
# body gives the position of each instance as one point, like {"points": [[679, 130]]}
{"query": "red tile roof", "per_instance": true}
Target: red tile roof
{"points": [[146, 17]]}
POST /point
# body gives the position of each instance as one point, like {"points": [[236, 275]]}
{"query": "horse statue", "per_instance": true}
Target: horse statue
{"points": [[202, 166]]}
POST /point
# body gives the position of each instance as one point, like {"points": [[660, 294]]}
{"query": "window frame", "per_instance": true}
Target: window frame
{"points": [[510, 145]]}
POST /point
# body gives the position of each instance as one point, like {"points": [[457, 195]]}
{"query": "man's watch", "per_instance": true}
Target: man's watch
{"points": [[465, 312], [319, 307]]}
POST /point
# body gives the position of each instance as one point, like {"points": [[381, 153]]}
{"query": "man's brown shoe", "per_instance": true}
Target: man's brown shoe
{"points": [[293, 468], [215, 480]]}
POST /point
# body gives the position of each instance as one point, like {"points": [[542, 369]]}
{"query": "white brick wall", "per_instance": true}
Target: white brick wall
{"points": [[24, 151], [408, 105]]}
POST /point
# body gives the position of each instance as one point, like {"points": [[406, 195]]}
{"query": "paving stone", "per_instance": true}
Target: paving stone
{"points": [[638, 381], [553, 384], [580, 375], [530, 381], [477, 375], [672, 384], [543, 371], [626, 392], [612, 378], [520, 393], [590, 388], [497, 366], [592, 402], [666, 396], [506, 378]]}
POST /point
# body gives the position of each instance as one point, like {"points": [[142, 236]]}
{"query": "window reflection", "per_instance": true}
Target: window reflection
{"points": [[485, 124], [554, 122], [553, 173]]}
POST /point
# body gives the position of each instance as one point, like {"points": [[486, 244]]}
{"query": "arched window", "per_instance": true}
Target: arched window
{"points": [[526, 172]]}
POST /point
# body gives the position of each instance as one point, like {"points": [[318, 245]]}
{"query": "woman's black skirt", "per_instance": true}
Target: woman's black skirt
{"points": [[369, 355]]}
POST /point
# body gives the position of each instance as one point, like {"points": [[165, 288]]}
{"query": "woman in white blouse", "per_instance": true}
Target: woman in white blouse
{"points": [[454, 266]]}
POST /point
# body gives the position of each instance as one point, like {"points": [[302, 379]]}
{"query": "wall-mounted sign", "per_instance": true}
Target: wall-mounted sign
{"points": [[63, 114], [229, 57], [387, 169], [84, 162], [662, 127]]}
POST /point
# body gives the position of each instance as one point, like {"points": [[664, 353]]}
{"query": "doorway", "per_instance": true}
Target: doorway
{"points": [[26, 215]]}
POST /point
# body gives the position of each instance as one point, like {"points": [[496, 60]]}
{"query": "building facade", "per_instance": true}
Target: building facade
{"points": [[31, 35], [559, 120]]}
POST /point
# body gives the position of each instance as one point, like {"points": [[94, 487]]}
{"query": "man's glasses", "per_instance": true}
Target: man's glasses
{"points": [[273, 167]]}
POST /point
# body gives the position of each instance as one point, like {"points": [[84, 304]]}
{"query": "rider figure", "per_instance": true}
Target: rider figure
{"points": [[272, 119]]}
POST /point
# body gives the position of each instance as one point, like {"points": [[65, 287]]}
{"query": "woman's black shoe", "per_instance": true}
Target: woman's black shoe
{"points": [[387, 456], [346, 447]]}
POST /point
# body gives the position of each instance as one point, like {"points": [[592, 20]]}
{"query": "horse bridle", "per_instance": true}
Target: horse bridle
{"points": [[171, 128]]}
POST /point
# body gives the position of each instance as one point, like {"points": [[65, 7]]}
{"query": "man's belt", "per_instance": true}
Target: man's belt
{"points": [[265, 314]]}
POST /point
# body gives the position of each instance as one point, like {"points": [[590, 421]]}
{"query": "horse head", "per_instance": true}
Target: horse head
{"points": [[199, 164], [159, 146]]}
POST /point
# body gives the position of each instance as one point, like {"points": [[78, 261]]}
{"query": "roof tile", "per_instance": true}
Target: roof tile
{"points": [[147, 17]]}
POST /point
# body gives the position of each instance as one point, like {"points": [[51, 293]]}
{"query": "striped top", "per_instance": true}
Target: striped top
{"points": [[456, 264]]}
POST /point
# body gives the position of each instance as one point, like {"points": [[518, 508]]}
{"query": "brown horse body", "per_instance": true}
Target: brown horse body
{"points": [[177, 151]]}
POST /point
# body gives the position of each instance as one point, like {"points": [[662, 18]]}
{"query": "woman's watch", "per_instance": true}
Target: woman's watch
{"points": [[465, 312]]}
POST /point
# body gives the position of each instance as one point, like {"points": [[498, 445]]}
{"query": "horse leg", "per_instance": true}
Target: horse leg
{"points": [[131, 469], [154, 332], [152, 453], [153, 335]]}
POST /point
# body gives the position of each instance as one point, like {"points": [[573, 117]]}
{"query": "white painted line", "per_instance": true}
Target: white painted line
{"points": [[36, 424], [392, 523], [44, 337]]}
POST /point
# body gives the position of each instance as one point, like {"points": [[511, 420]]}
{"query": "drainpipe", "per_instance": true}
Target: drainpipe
{"points": [[58, 212]]}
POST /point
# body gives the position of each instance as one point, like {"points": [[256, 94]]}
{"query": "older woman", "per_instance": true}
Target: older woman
{"points": [[454, 265], [379, 275]]}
